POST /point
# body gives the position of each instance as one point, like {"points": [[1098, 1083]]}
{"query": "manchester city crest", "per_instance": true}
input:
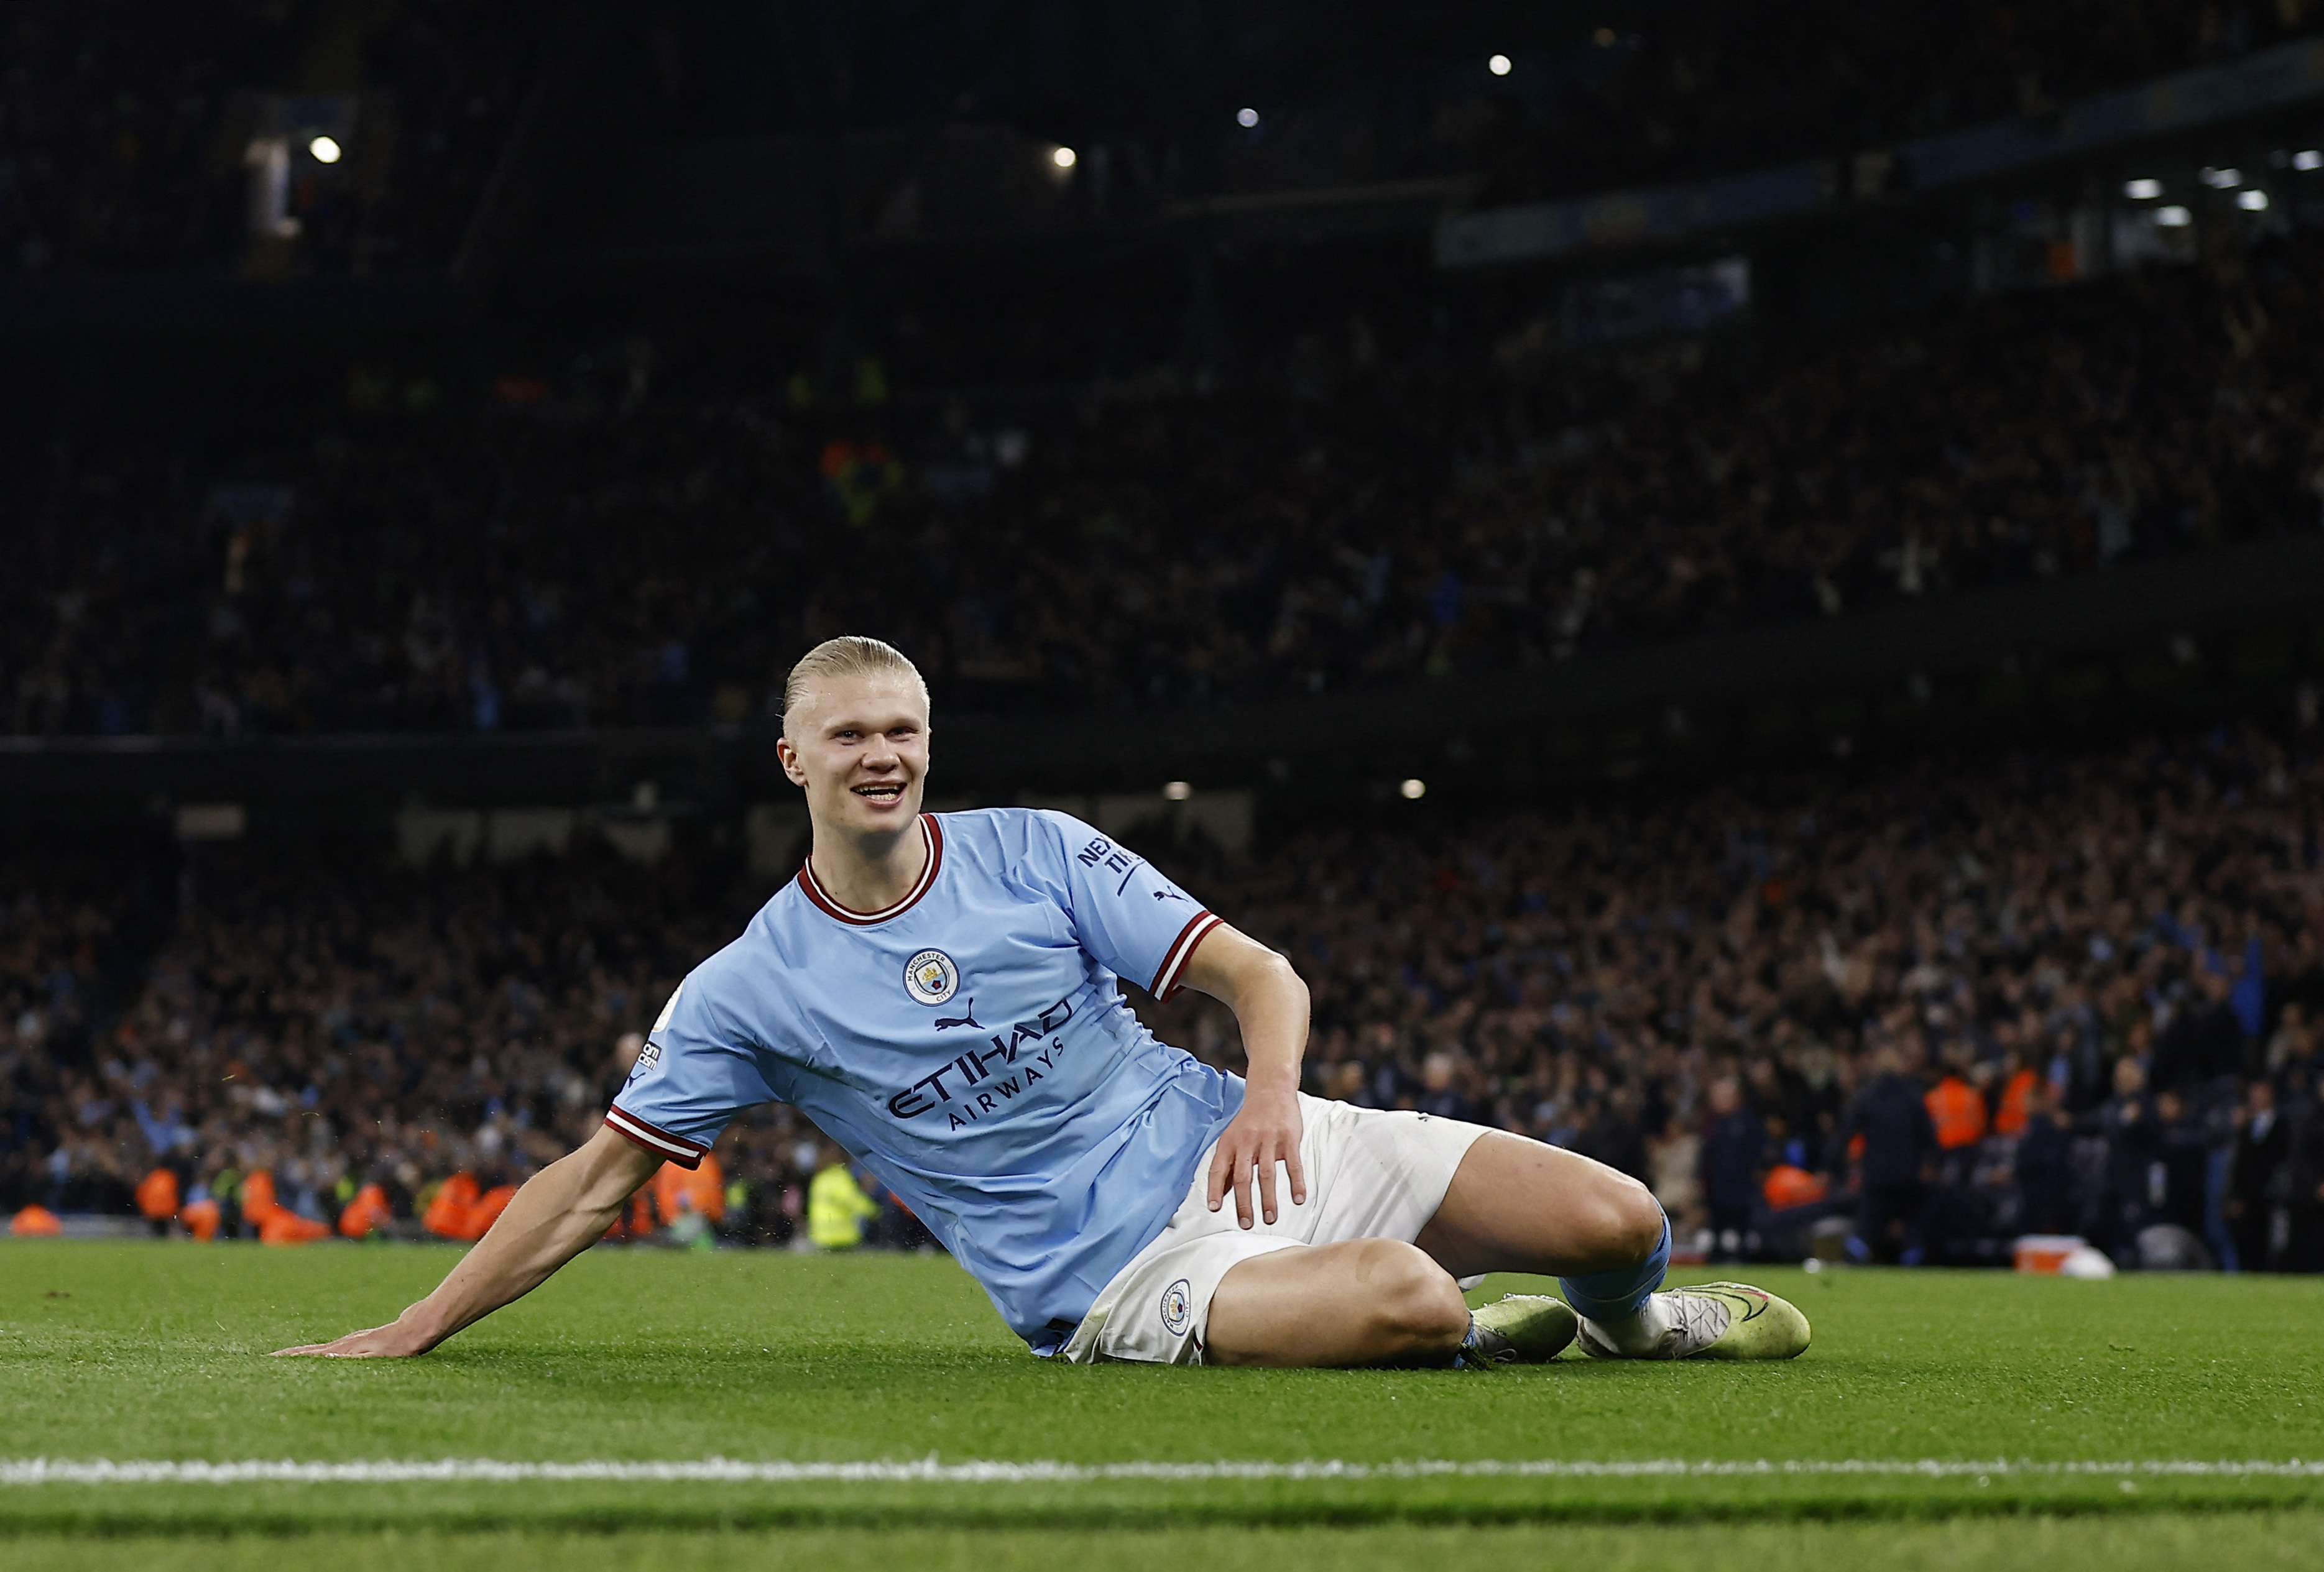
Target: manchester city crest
{"points": [[931, 977], [1178, 1306]]}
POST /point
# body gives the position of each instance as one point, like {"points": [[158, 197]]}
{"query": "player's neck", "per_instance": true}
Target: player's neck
{"points": [[868, 873]]}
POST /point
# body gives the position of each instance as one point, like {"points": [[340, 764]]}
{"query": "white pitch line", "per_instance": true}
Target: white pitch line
{"points": [[33, 1471]]}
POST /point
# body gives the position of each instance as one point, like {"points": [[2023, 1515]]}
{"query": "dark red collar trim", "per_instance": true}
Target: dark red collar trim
{"points": [[934, 833]]}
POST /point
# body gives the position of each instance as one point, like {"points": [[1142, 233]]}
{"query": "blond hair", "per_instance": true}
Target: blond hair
{"points": [[849, 655]]}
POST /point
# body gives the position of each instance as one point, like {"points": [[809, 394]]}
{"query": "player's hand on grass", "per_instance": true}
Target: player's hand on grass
{"points": [[1266, 1132], [558, 1213], [393, 1341]]}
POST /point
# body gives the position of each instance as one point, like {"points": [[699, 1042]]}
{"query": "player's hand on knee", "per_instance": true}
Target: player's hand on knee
{"points": [[1266, 1132]]}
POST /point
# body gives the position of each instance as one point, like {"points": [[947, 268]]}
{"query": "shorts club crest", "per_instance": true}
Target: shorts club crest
{"points": [[1178, 1306]]}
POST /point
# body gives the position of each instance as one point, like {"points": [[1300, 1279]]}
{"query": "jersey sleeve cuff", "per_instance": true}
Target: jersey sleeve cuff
{"points": [[677, 1149], [1166, 985]]}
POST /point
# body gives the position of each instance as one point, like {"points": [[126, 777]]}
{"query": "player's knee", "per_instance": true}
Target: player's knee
{"points": [[1413, 1301], [1627, 1223]]}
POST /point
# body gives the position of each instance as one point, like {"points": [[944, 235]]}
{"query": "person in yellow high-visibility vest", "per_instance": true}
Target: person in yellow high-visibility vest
{"points": [[837, 1209]]}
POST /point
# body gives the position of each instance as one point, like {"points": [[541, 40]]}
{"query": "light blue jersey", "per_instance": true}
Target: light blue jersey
{"points": [[969, 1047]]}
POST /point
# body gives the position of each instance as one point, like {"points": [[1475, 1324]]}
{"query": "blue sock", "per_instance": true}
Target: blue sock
{"points": [[1617, 1295]]}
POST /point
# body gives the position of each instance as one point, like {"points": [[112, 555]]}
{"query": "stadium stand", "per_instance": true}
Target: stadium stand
{"points": [[1925, 1006], [1987, 930], [124, 143], [1712, 89], [109, 155], [1632, 97], [2084, 969], [124, 131], [1328, 526]]}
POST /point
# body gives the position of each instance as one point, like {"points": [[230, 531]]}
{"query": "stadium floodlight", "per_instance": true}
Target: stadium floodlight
{"points": [[2252, 201], [1064, 158], [1412, 791], [2141, 189], [1499, 65], [1246, 117], [324, 150], [2172, 218], [2226, 179], [2308, 158], [1177, 791]]}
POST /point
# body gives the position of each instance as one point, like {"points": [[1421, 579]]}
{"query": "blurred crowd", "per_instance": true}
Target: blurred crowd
{"points": [[447, 83], [109, 126], [345, 1026], [1712, 89], [1922, 1012], [595, 549], [1932, 1010], [124, 130]]}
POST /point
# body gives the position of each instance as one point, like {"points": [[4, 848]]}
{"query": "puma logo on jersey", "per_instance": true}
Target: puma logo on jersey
{"points": [[978, 1067], [966, 1019]]}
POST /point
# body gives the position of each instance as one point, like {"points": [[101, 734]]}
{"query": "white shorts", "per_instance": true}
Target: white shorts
{"points": [[1372, 1174]]}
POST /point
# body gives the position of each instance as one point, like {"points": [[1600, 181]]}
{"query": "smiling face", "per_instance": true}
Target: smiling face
{"points": [[858, 743]]}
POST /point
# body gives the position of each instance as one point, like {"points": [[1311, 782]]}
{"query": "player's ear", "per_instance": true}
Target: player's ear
{"points": [[787, 757]]}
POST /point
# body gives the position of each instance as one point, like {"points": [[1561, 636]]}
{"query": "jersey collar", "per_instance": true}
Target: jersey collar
{"points": [[932, 835]]}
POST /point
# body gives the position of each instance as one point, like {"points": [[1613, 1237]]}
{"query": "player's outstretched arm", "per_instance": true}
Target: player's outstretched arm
{"points": [[560, 1212], [1270, 1004]]}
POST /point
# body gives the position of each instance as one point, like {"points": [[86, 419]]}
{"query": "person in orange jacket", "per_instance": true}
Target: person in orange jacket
{"points": [[2017, 1095], [1957, 1108], [703, 1190], [446, 1215], [257, 1197], [487, 1210], [277, 1224], [464, 1209], [157, 1198], [1789, 1185], [285, 1227], [35, 1222], [365, 1213]]}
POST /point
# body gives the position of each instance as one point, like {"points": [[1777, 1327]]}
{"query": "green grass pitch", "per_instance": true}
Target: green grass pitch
{"points": [[2033, 1394]]}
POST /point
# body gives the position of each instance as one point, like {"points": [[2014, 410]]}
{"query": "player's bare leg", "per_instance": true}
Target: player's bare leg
{"points": [[1514, 1206], [1517, 1205], [1362, 1301]]}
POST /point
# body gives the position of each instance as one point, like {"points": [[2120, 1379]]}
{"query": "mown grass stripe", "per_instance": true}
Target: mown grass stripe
{"points": [[37, 1471]]}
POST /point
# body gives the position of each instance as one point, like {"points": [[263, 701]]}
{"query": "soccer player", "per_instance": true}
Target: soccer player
{"points": [[937, 992]]}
